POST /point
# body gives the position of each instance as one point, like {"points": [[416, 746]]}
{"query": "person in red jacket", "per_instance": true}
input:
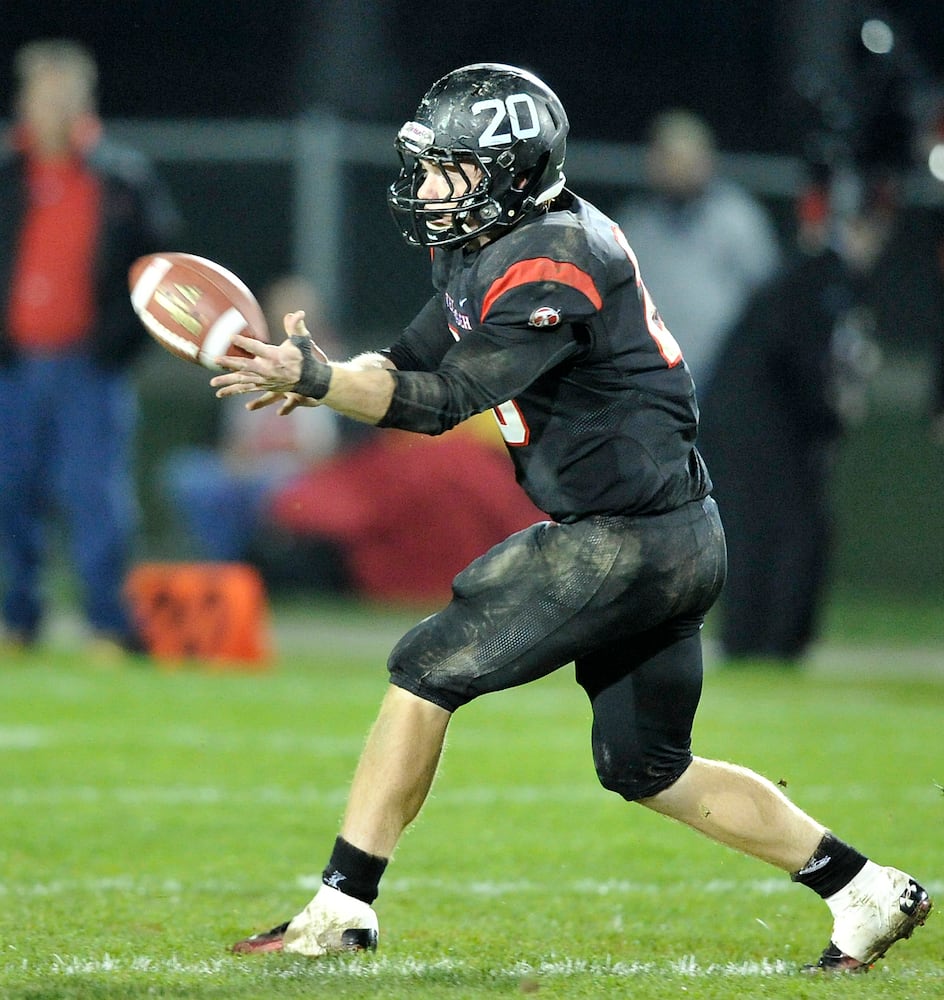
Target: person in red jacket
{"points": [[458, 486], [75, 212]]}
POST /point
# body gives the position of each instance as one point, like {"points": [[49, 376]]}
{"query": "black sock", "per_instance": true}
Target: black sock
{"points": [[833, 866], [354, 872]]}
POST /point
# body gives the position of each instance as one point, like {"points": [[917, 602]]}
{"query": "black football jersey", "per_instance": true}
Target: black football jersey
{"points": [[552, 327]]}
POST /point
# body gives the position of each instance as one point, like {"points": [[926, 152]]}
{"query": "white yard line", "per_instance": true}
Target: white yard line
{"points": [[381, 968], [69, 966]]}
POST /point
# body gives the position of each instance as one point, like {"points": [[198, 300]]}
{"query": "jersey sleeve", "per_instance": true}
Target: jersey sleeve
{"points": [[487, 367], [423, 343]]}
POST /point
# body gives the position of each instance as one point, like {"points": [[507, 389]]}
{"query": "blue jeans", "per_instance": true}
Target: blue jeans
{"points": [[66, 450]]}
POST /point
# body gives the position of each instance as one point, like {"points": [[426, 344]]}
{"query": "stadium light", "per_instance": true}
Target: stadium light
{"points": [[877, 36], [936, 161]]}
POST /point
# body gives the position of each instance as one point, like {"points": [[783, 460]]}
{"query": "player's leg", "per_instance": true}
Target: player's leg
{"points": [[872, 906], [644, 702], [741, 809], [482, 641], [515, 615], [395, 771], [392, 779], [391, 783], [644, 698], [530, 605]]}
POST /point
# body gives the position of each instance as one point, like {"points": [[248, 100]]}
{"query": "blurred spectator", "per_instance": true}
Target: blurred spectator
{"points": [[931, 149], [937, 391], [218, 492], [405, 514], [791, 380], [75, 211], [705, 243]]}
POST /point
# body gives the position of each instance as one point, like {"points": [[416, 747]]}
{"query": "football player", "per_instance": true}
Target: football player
{"points": [[540, 313]]}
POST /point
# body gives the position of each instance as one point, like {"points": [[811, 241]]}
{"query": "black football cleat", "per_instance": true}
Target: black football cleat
{"points": [[353, 939], [265, 941], [331, 924]]}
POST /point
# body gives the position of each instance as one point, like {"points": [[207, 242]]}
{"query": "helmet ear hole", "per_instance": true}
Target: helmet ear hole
{"points": [[526, 179]]}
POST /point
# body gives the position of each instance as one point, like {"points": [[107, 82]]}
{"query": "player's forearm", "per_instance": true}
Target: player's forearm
{"points": [[374, 395], [360, 388], [362, 394]]}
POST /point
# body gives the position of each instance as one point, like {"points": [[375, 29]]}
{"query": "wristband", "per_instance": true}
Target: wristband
{"points": [[315, 378]]}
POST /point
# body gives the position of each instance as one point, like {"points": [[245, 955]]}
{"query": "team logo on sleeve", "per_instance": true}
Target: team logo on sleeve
{"points": [[544, 316]]}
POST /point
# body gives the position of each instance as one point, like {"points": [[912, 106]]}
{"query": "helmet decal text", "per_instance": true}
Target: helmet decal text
{"points": [[416, 137]]}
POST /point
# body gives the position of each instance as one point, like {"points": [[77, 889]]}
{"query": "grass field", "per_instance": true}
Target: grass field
{"points": [[150, 817]]}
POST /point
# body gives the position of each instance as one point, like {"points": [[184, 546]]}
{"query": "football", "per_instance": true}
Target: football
{"points": [[194, 307]]}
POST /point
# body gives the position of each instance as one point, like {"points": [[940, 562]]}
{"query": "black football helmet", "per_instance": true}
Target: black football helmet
{"points": [[503, 121]]}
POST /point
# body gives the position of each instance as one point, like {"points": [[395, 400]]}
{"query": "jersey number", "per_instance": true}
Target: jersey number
{"points": [[667, 344], [514, 428], [510, 108]]}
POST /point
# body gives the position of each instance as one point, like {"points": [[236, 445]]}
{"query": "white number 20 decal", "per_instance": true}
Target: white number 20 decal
{"points": [[510, 110]]}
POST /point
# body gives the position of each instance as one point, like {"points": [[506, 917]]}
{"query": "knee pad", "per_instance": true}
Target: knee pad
{"points": [[408, 670], [640, 775]]}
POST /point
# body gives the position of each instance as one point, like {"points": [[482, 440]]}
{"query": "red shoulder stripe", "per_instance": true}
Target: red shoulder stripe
{"points": [[541, 269]]}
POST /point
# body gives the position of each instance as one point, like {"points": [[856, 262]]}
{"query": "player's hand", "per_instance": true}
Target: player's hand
{"points": [[269, 369], [288, 400]]}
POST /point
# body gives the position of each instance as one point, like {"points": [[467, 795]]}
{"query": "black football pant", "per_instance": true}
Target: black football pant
{"points": [[623, 598]]}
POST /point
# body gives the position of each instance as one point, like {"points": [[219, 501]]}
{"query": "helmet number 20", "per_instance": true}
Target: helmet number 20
{"points": [[508, 110]]}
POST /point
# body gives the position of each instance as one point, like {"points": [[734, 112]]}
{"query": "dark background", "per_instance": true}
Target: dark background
{"points": [[613, 62]]}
